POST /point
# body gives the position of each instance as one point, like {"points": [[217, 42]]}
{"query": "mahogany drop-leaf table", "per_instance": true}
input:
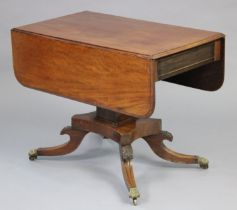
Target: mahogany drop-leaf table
{"points": [[113, 63]]}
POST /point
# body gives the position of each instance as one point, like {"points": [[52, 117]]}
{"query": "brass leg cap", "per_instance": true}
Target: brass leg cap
{"points": [[134, 201], [203, 162], [33, 154], [134, 194]]}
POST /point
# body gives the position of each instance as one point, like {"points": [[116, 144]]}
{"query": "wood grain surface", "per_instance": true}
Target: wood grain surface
{"points": [[144, 38], [118, 81], [76, 137], [123, 134], [112, 62]]}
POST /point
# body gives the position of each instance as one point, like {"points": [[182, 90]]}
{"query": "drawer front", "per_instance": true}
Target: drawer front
{"points": [[187, 60]]}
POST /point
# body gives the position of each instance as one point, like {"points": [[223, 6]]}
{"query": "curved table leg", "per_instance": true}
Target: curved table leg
{"points": [[159, 148], [76, 137], [126, 154]]}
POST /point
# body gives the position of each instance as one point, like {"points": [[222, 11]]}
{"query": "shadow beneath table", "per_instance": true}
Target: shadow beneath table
{"points": [[114, 177], [88, 162]]}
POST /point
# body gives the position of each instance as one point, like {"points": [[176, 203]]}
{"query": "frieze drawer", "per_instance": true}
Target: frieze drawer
{"points": [[189, 59]]}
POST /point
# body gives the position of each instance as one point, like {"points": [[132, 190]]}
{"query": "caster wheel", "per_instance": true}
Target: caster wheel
{"points": [[203, 163], [134, 201], [32, 155], [134, 194]]}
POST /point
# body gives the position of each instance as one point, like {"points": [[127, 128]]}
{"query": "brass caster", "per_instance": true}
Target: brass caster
{"points": [[203, 162], [134, 194], [134, 201], [33, 154]]}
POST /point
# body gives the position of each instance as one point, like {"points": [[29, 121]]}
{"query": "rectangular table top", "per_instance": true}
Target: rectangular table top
{"points": [[113, 62], [140, 37]]}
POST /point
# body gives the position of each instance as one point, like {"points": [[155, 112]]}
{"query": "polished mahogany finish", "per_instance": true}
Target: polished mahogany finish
{"points": [[113, 62], [149, 129]]}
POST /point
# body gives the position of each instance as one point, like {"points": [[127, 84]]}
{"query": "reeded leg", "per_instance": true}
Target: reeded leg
{"points": [[159, 148], [126, 155], [76, 137]]}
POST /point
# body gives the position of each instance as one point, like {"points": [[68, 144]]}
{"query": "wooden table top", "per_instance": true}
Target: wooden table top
{"points": [[113, 62], [140, 37]]}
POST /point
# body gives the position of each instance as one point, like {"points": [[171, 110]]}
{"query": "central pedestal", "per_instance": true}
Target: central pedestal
{"points": [[124, 130]]}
